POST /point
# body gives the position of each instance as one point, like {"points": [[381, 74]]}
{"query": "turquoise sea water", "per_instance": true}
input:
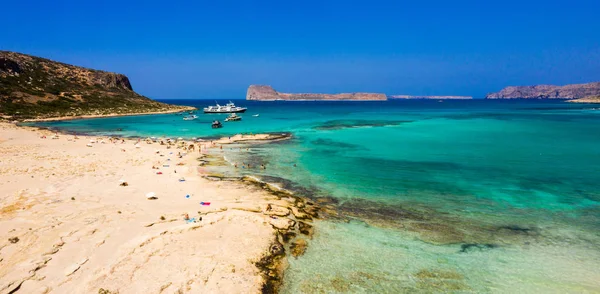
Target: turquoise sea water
{"points": [[452, 196]]}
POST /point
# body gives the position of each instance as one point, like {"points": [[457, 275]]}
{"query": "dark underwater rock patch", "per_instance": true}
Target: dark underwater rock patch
{"points": [[335, 144], [519, 230], [272, 267], [467, 247], [286, 184], [305, 228], [440, 281], [374, 210], [298, 247], [346, 124]]}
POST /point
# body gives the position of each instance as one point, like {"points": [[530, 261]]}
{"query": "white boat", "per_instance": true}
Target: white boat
{"points": [[255, 115], [190, 117], [233, 117], [228, 108]]}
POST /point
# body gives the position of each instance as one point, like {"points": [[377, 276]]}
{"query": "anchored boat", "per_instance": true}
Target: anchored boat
{"points": [[190, 117], [216, 124], [228, 108], [233, 117]]}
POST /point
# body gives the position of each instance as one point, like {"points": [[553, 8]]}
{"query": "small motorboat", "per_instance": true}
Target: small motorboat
{"points": [[216, 124], [190, 117], [256, 115], [233, 117]]}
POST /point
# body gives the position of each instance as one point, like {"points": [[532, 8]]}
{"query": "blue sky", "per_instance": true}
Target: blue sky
{"points": [[215, 49]]}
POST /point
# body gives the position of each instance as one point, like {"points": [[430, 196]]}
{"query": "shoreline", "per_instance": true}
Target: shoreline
{"points": [[289, 223], [64, 118], [263, 212]]}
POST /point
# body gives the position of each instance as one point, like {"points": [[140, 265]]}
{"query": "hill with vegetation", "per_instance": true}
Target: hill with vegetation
{"points": [[36, 88]]}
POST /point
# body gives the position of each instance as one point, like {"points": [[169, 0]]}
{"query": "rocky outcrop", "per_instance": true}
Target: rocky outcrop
{"points": [[267, 93], [589, 99], [574, 91], [428, 97], [34, 87]]}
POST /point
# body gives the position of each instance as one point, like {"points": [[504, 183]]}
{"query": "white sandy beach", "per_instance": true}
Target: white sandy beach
{"points": [[80, 231]]}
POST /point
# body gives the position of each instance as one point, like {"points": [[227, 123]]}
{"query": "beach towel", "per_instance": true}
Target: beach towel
{"points": [[205, 203]]}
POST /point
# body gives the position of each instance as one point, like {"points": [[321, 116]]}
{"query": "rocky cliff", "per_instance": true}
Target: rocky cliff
{"points": [[34, 87], [548, 91], [428, 97], [267, 93]]}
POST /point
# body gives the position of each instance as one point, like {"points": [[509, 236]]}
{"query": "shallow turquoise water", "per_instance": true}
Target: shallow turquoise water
{"points": [[524, 164]]}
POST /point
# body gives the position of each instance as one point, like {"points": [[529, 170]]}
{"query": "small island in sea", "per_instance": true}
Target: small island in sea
{"points": [[573, 91], [37, 88], [267, 93]]}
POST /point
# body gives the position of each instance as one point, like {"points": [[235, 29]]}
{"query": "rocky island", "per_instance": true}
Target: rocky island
{"points": [[267, 93], [38, 88], [428, 97], [573, 91]]}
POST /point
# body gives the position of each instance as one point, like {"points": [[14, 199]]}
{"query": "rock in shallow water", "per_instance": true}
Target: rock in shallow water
{"points": [[305, 228], [282, 223], [298, 247]]}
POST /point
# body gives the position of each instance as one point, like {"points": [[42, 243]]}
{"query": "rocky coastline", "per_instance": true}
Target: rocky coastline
{"points": [[589, 99]]}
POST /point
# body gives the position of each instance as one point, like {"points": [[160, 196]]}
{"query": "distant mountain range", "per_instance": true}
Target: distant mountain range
{"points": [[34, 87], [573, 91]]}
